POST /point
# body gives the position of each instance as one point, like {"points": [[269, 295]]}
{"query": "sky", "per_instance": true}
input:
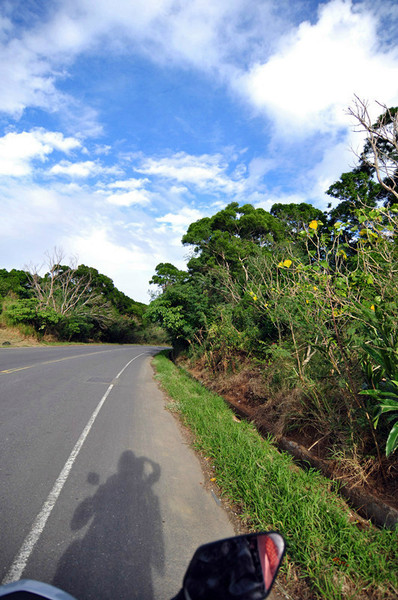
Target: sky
{"points": [[123, 122]]}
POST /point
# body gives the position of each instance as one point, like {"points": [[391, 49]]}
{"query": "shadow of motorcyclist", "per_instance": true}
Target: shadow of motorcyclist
{"points": [[124, 540]]}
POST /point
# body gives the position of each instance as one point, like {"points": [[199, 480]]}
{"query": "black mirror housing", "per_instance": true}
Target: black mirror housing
{"points": [[242, 567]]}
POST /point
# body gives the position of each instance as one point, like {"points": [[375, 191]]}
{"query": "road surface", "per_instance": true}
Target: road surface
{"points": [[99, 492]]}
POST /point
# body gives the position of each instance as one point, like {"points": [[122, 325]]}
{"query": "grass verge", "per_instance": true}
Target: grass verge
{"points": [[338, 558], [12, 336]]}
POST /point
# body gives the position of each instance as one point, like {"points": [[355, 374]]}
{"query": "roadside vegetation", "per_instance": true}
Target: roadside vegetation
{"points": [[330, 554], [69, 304], [297, 308]]}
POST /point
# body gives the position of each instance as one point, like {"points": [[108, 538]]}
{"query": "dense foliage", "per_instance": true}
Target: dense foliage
{"points": [[310, 297], [71, 304], [329, 555]]}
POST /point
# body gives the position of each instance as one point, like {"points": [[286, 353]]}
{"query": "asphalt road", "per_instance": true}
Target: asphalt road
{"points": [[99, 492]]}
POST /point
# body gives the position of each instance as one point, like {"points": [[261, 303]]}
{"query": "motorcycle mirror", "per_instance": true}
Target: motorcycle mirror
{"points": [[241, 567]]}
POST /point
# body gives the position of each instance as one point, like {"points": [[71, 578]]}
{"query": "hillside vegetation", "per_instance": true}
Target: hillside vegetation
{"points": [[72, 304], [298, 309]]}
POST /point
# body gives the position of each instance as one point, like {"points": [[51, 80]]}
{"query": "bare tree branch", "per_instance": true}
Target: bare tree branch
{"points": [[381, 148], [61, 288]]}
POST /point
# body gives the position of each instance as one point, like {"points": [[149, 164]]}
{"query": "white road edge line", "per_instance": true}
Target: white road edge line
{"points": [[129, 363], [20, 561]]}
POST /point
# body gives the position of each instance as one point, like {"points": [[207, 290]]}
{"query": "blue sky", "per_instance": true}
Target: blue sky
{"points": [[123, 122]]}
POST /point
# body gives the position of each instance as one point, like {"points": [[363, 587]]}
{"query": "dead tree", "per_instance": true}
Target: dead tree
{"points": [[380, 153]]}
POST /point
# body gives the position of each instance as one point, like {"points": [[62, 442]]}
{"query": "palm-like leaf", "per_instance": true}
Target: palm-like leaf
{"points": [[392, 440]]}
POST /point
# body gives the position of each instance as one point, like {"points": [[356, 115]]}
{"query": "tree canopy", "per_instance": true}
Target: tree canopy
{"points": [[74, 303], [311, 290]]}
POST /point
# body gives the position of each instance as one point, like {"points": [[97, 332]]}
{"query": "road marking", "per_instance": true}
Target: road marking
{"points": [[21, 559], [48, 362]]}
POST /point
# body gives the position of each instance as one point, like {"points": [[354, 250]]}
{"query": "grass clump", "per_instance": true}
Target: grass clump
{"points": [[334, 555]]}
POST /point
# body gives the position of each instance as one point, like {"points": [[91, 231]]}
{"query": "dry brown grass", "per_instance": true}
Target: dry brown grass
{"points": [[10, 337], [279, 410]]}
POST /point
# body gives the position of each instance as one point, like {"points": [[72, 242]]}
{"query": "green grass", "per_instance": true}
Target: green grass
{"points": [[337, 558]]}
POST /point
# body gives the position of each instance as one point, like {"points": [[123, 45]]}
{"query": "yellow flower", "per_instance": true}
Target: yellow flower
{"points": [[313, 225], [280, 264], [287, 263], [315, 288], [307, 301], [254, 297], [372, 307]]}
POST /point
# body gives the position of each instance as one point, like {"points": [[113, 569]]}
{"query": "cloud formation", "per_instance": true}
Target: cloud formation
{"points": [[81, 170], [206, 172], [122, 123], [219, 38], [306, 86], [19, 150]]}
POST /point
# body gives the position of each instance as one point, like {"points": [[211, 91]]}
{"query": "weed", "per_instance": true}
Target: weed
{"points": [[340, 560]]}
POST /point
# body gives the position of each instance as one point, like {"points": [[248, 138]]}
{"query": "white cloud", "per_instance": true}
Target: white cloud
{"points": [[129, 265], [18, 150], [32, 62], [211, 36], [83, 169], [128, 184], [182, 167], [133, 197], [203, 33], [259, 167], [303, 80], [124, 244], [97, 247], [205, 172], [31, 217], [307, 85], [179, 222], [27, 80], [56, 140], [129, 192], [336, 160]]}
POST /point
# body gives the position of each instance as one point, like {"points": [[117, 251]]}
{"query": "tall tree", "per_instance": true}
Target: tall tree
{"points": [[230, 236]]}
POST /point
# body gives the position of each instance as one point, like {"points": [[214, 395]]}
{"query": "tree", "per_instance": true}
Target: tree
{"points": [[229, 237], [15, 282], [78, 295], [71, 303], [380, 153], [296, 217], [104, 288], [61, 288], [355, 190], [181, 307], [246, 222], [166, 275]]}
